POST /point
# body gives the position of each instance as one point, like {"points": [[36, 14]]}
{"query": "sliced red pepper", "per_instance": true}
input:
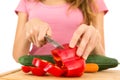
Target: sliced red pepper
{"points": [[37, 71], [66, 53], [74, 67], [68, 60], [39, 66], [25, 69], [67, 63], [47, 67], [40, 63], [61, 55], [54, 70]]}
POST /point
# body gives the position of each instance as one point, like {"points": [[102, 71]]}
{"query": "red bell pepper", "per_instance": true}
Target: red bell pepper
{"points": [[40, 63], [37, 71], [67, 64], [66, 53], [67, 59], [54, 70], [74, 67], [47, 67], [25, 69], [61, 55]]}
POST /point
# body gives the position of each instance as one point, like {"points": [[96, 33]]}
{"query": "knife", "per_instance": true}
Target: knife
{"points": [[53, 42]]}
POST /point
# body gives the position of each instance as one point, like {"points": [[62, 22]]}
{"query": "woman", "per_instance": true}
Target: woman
{"points": [[77, 22]]}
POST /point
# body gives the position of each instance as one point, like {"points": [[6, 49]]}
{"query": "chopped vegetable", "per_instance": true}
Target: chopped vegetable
{"points": [[103, 62], [91, 68], [37, 71], [68, 60], [25, 69]]}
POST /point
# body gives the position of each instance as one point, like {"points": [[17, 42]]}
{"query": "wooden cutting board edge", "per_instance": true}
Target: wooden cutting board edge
{"points": [[9, 72]]}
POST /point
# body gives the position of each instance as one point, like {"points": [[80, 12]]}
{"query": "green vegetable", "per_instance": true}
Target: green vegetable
{"points": [[102, 61], [27, 59]]}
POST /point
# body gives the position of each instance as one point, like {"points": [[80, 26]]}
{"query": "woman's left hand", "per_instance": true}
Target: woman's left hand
{"points": [[86, 38]]}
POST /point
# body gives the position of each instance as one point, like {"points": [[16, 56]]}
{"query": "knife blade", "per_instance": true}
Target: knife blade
{"points": [[53, 42]]}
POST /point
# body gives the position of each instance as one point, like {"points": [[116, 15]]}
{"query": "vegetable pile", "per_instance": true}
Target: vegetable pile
{"points": [[65, 62]]}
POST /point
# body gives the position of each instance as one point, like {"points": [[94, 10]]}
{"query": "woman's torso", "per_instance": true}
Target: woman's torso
{"points": [[62, 22]]}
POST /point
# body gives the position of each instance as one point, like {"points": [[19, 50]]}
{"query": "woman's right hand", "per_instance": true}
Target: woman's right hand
{"points": [[36, 30]]}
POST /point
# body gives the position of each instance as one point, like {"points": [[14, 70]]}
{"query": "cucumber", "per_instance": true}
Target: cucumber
{"points": [[27, 59], [102, 61]]}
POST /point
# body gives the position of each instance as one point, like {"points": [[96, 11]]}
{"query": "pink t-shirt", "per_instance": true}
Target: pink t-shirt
{"points": [[62, 22]]}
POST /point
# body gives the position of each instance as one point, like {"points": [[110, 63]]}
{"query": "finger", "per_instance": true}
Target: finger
{"points": [[49, 32], [33, 39], [27, 30], [87, 52], [36, 39], [42, 43], [36, 36], [30, 40], [84, 41], [90, 46], [76, 36], [31, 33], [42, 33], [28, 36], [32, 36]]}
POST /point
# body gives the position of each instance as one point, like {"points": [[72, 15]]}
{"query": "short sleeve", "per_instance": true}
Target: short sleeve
{"points": [[21, 7], [101, 6]]}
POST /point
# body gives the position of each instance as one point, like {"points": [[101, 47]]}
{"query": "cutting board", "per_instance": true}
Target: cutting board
{"points": [[102, 75]]}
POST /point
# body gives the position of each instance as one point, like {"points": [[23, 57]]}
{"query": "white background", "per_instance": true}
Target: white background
{"points": [[8, 21]]}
